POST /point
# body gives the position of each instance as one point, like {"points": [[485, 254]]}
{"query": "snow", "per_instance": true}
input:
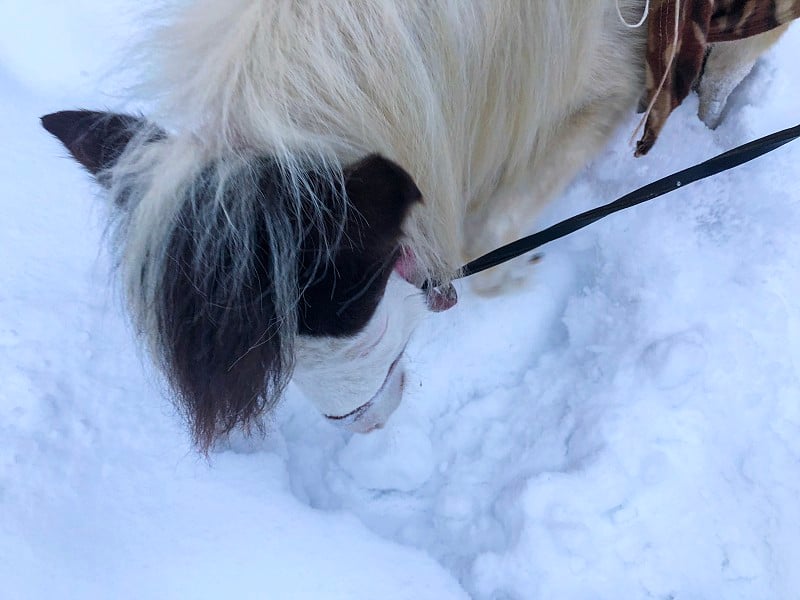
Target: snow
{"points": [[625, 424]]}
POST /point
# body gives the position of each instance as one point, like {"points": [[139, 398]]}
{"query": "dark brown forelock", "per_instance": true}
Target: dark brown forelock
{"points": [[219, 333]]}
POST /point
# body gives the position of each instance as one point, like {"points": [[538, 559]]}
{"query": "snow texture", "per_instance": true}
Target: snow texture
{"points": [[625, 424]]}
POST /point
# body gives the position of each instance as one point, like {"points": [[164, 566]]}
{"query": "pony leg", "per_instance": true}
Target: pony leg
{"points": [[727, 65]]}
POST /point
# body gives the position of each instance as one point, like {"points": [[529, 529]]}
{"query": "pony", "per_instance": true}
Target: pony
{"points": [[307, 166]]}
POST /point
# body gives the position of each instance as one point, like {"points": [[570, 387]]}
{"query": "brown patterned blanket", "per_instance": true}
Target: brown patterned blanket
{"points": [[676, 47]]}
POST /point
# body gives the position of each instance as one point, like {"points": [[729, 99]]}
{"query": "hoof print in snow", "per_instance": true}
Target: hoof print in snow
{"points": [[674, 360]]}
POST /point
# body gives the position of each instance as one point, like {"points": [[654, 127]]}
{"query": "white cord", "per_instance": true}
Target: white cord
{"points": [[641, 21]]}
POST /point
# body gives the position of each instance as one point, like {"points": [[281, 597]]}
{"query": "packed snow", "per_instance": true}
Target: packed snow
{"points": [[624, 424]]}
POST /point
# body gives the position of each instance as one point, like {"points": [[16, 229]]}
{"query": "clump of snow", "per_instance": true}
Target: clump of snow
{"points": [[370, 459], [626, 424]]}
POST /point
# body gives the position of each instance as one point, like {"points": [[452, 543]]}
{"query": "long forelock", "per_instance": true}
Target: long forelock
{"points": [[209, 251]]}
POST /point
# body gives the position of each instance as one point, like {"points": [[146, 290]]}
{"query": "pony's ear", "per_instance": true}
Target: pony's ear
{"points": [[95, 139], [382, 193], [341, 300]]}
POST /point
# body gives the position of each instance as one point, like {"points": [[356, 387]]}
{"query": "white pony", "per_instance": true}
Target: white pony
{"points": [[314, 162]]}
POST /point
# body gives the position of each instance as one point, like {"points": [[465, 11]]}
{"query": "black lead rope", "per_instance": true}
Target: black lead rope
{"points": [[724, 162]]}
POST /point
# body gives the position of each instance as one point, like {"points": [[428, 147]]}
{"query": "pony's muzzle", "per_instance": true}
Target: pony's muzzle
{"points": [[373, 414]]}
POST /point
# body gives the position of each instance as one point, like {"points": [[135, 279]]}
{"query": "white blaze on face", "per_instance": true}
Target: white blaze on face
{"points": [[358, 381]]}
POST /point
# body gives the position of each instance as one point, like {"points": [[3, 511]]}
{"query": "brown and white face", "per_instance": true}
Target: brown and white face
{"points": [[357, 381], [357, 318], [243, 253], [355, 372]]}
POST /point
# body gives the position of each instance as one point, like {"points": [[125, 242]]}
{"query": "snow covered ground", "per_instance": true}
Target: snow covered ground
{"points": [[625, 425]]}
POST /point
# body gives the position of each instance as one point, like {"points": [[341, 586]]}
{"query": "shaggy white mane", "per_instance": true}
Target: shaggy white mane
{"points": [[475, 99]]}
